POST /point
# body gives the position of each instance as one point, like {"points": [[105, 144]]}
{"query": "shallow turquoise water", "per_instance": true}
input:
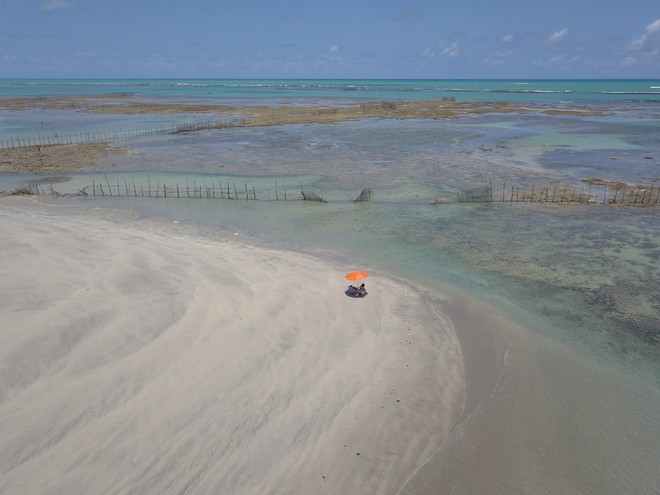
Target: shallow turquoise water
{"points": [[409, 163], [578, 385]]}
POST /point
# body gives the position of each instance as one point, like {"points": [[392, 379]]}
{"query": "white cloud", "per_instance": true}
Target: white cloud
{"points": [[499, 57], [334, 48], [557, 36], [650, 39], [428, 53], [56, 5], [561, 61], [452, 50], [507, 38]]}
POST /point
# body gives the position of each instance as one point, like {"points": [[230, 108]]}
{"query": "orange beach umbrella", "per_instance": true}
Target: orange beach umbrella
{"points": [[355, 276]]}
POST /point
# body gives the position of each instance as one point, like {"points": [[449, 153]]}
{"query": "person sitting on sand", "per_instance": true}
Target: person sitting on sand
{"points": [[362, 291], [352, 290]]}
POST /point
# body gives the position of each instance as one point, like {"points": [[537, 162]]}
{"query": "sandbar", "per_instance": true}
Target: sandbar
{"points": [[144, 357]]}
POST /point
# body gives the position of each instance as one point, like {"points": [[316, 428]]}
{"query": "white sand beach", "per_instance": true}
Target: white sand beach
{"points": [[136, 357]]}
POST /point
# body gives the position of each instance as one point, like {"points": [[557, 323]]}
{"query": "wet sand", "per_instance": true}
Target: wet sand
{"points": [[541, 417], [57, 159]]}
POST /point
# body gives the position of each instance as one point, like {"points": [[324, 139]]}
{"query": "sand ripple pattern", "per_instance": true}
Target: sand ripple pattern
{"points": [[138, 358]]}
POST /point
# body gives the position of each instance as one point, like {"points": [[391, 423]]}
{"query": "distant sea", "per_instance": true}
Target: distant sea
{"points": [[408, 89]]}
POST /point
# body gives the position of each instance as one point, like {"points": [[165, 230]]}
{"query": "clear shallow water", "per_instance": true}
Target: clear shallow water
{"points": [[587, 274], [575, 391]]}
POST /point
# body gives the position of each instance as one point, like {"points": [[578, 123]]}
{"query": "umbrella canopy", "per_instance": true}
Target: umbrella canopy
{"points": [[355, 276]]}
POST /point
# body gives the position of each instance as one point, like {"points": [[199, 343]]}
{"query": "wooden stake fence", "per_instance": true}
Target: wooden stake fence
{"points": [[179, 128], [597, 192], [189, 190], [593, 192]]}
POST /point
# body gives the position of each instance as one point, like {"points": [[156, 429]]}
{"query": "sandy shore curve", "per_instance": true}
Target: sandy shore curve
{"points": [[138, 358]]}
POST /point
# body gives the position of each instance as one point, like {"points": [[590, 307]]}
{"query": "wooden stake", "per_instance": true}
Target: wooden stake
{"points": [[109, 188]]}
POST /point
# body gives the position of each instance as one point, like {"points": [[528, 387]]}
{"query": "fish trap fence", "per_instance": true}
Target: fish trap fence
{"points": [[190, 189], [226, 121], [592, 191], [12, 142], [117, 135]]}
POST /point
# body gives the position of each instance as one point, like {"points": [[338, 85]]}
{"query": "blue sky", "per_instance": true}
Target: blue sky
{"points": [[330, 39]]}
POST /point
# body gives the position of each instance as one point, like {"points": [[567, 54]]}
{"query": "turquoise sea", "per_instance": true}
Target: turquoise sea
{"points": [[416, 89], [573, 406]]}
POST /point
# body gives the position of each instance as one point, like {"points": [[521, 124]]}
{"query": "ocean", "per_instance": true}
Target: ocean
{"points": [[383, 89], [573, 406]]}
